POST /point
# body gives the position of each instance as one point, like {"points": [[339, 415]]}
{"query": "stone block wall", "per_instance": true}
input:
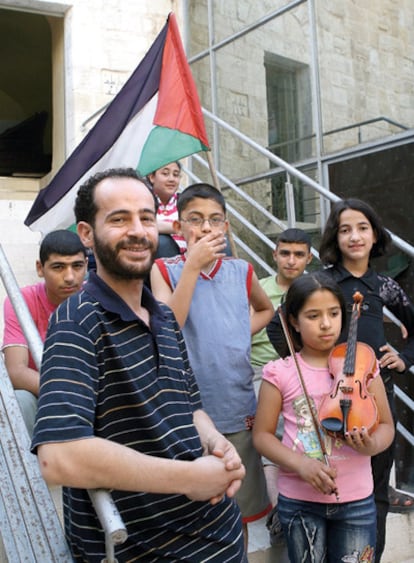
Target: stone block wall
{"points": [[20, 245]]}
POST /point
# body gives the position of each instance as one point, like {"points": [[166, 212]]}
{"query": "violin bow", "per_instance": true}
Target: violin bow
{"points": [[315, 421]]}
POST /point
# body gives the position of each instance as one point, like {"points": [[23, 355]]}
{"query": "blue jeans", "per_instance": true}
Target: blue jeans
{"points": [[328, 533]]}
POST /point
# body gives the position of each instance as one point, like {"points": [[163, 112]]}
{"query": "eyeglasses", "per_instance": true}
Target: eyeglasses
{"points": [[199, 221]]}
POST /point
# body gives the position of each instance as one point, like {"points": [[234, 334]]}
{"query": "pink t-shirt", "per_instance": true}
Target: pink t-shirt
{"points": [[40, 308], [354, 476]]}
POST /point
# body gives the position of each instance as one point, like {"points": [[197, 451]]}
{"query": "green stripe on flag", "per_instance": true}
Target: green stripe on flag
{"points": [[165, 145]]}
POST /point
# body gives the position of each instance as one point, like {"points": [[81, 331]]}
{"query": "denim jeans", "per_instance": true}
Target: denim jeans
{"points": [[329, 533]]}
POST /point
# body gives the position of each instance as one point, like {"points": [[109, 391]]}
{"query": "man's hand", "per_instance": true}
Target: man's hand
{"points": [[218, 446], [214, 480]]}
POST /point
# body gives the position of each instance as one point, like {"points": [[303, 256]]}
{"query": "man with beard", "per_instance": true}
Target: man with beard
{"points": [[119, 407]]}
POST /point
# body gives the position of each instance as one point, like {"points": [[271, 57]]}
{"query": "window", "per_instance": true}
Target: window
{"points": [[289, 109]]}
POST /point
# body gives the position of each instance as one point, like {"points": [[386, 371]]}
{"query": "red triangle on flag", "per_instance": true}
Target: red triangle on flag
{"points": [[178, 102]]}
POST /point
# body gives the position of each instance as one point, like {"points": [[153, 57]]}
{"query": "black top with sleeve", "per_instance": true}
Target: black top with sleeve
{"points": [[378, 291]]}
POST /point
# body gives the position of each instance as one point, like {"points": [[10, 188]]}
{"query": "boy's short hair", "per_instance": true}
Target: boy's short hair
{"points": [[63, 242], [203, 191], [294, 235]]}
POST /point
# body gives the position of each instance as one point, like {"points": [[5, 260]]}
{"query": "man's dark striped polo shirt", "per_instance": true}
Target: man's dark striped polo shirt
{"points": [[105, 373]]}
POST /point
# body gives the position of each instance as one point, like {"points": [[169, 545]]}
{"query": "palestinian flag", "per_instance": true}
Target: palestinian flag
{"points": [[155, 119]]}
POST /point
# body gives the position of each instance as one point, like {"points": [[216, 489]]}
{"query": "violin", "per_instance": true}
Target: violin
{"points": [[352, 365]]}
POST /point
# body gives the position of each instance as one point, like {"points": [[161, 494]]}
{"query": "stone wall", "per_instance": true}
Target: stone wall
{"points": [[105, 42], [19, 244], [365, 66]]}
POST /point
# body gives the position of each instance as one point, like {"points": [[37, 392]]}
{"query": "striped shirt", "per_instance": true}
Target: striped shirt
{"points": [[105, 373], [169, 213]]}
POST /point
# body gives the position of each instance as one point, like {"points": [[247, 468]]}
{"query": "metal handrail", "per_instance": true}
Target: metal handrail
{"points": [[399, 242], [359, 124], [111, 521], [247, 29]]}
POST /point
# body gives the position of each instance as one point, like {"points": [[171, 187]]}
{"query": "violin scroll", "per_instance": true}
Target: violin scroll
{"points": [[358, 298]]}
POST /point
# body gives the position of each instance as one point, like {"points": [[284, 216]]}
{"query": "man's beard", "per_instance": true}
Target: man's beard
{"points": [[109, 258]]}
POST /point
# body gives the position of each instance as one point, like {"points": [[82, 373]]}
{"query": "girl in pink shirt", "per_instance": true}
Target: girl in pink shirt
{"points": [[327, 511]]}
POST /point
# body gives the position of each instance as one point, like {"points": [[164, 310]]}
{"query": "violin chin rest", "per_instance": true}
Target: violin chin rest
{"points": [[332, 424]]}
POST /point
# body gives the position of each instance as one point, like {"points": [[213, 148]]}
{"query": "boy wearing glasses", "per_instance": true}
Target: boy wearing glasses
{"points": [[211, 295]]}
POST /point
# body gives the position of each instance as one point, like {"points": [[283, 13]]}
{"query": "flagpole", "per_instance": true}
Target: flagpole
{"points": [[217, 185]]}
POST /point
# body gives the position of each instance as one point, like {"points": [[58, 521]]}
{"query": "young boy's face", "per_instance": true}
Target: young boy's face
{"points": [[63, 275], [291, 260], [201, 217], [166, 181]]}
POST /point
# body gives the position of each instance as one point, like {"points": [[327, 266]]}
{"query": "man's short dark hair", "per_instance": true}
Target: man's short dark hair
{"points": [[294, 235], [85, 206], [63, 242]]}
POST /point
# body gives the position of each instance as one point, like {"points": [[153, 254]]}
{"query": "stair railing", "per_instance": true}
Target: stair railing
{"points": [[326, 194]]}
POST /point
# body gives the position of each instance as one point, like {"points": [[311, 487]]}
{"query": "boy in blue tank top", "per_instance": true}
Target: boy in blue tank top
{"points": [[219, 304]]}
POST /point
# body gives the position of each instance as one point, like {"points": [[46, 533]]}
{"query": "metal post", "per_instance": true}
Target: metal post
{"points": [[107, 512], [213, 79], [317, 105], [290, 202]]}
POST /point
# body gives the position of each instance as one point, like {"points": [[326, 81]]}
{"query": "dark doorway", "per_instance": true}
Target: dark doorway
{"points": [[25, 94]]}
